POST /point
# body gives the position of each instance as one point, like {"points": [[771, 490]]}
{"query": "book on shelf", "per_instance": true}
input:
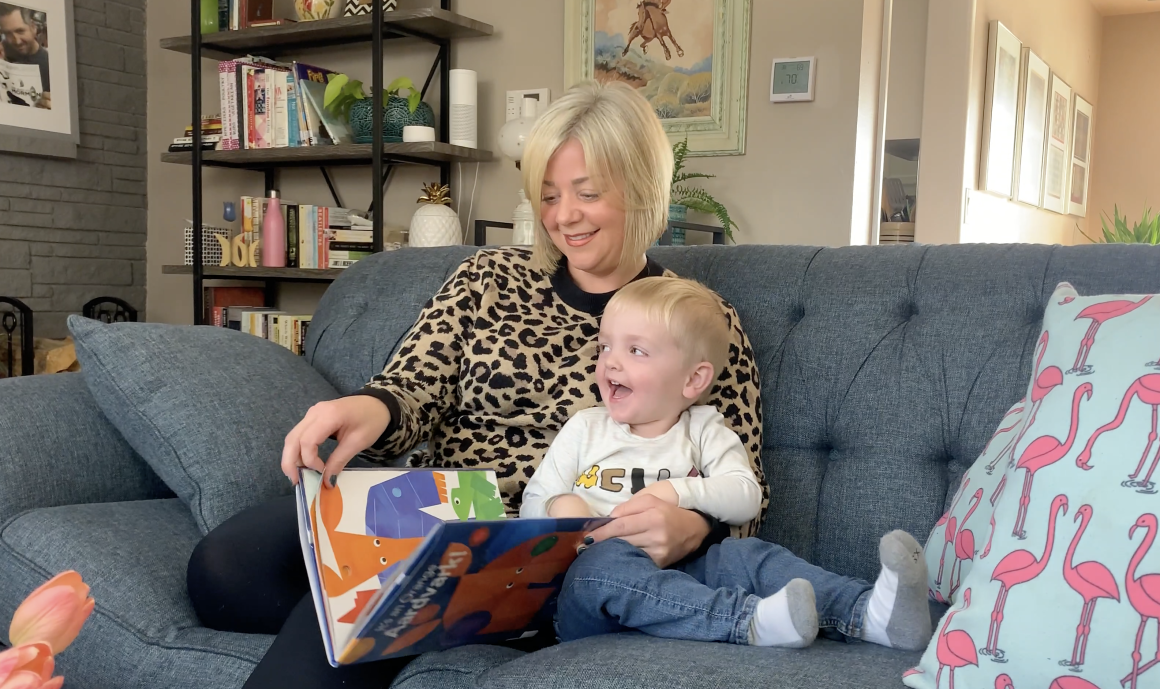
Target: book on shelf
{"points": [[270, 104], [285, 329], [232, 15], [405, 561], [217, 299]]}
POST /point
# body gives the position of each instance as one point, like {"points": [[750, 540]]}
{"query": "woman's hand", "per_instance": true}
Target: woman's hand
{"points": [[356, 422], [664, 531]]}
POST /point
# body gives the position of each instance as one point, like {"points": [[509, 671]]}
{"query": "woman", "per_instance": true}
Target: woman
{"points": [[499, 359]]}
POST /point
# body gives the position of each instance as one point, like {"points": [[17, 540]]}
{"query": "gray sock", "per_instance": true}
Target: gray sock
{"points": [[787, 619], [898, 614]]}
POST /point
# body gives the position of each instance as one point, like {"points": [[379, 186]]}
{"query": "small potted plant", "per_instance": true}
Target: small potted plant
{"points": [[683, 197], [345, 97], [1145, 231]]}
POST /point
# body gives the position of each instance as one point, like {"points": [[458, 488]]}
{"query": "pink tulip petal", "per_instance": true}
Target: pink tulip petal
{"points": [[23, 680], [46, 616], [54, 683], [70, 579], [78, 621], [35, 658]]}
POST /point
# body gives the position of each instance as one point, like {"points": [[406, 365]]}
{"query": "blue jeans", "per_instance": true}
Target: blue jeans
{"points": [[614, 587]]}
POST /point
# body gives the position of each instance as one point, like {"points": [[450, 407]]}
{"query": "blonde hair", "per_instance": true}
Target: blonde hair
{"points": [[627, 153], [691, 313]]}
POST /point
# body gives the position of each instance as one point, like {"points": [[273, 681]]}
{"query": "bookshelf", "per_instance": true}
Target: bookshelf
{"points": [[433, 25]]}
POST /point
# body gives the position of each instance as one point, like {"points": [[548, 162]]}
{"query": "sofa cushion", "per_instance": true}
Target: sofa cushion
{"points": [[143, 632], [637, 660], [207, 408], [1072, 573]]}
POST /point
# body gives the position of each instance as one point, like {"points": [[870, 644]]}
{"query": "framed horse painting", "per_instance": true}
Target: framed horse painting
{"points": [[689, 58]]}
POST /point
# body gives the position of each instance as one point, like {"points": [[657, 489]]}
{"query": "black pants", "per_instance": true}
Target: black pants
{"points": [[248, 576]]}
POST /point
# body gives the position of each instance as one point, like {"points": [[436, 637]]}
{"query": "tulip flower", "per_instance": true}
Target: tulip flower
{"points": [[52, 614], [28, 666]]}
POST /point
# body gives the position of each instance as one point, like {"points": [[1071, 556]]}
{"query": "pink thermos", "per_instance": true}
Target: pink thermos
{"points": [[273, 248]]}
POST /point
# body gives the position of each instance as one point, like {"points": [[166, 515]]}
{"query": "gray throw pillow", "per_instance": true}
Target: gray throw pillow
{"points": [[208, 408]]}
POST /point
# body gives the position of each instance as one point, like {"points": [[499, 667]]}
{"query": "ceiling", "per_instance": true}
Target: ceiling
{"points": [[1112, 7]]}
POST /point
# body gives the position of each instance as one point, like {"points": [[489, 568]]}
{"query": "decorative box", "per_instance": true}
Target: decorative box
{"points": [[355, 8], [211, 248]]}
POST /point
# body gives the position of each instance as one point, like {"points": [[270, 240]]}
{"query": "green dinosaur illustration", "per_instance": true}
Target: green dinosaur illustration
{"points": [[475, 489]]}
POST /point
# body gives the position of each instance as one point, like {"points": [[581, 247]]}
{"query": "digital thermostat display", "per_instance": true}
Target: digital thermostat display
{"points": [[792, 80]]}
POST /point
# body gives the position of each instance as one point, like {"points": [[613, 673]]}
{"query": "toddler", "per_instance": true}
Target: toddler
{"points": [[662, 342]]}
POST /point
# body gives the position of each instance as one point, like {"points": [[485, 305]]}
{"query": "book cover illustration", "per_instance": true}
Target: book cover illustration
{"points": [[408, 561]]}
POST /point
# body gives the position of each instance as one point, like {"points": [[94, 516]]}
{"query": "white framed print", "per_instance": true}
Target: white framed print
{"points": [[38, 81], [1055, 191], [1000, 111], [1081, 155], [1032, 137]]}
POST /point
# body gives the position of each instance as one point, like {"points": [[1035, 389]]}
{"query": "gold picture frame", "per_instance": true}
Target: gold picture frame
{"points": [[691, 61]]}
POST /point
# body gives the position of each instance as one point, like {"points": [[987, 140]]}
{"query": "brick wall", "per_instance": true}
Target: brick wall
{"points": [[71, 230]]}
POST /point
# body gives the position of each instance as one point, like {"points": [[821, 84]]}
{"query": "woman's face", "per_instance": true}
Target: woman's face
{"points": [[585, 222]]}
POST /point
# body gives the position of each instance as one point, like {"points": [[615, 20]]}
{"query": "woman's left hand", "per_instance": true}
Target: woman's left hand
{"points": [[664, 531]]}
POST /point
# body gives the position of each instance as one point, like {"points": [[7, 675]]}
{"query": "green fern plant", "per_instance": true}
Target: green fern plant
{"points": [[696, 199], [1146, 231]]}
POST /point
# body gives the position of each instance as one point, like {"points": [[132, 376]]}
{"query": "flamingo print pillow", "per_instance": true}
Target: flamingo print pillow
{"points": [[1064, 593]]}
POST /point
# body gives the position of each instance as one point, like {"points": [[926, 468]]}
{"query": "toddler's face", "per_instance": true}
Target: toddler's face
{"points": [[642, 373]]}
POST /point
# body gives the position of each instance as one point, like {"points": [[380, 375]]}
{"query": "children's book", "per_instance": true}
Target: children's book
{"points": [[405, 561]]}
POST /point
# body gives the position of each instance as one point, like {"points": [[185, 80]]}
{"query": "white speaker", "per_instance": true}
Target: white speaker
{"points": [[463, 126]]}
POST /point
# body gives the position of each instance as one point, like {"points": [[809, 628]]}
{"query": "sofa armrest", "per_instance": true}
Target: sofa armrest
{"points": [[57, 448]]}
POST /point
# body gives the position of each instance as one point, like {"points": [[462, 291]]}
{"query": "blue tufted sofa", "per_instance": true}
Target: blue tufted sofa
{"points": [[884, 372]]}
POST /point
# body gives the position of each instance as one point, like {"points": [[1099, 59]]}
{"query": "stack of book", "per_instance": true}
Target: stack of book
{"points": [[268, 104], [896, 233], [211, 135]]}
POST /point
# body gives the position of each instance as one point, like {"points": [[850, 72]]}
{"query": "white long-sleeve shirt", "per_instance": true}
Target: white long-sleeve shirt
{"points": [[604, 463]]}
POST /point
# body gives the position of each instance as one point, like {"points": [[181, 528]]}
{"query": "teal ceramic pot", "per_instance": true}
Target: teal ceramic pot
{"points": [[396, 115], [678, 213]]}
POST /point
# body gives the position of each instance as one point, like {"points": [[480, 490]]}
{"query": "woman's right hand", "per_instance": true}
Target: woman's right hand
{"points": [[356, 422]]}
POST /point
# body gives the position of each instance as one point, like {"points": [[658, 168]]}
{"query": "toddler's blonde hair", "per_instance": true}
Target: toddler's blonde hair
{"points": [[627, 154], [691, 312]]}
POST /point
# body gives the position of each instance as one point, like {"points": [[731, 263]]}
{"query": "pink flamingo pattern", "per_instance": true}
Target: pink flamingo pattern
{"points": [[955, 648], [1043, 452], [1147, 388], [1144, 595], [1043, 382], [1098, 314], [952, 526], [994, 496], [1018, 567], [1065, 682], [1014, 411], [1092, 581], [965, 542]]}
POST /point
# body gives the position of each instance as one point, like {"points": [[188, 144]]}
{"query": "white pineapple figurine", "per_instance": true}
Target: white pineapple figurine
{"points": [[434, 224]]}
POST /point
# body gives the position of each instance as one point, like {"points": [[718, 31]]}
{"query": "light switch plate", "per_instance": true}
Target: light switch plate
{"points": [[515, 101]]}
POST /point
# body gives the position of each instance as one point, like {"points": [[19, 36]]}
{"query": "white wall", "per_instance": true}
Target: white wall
{"points": [[1067, 34], [1125, 169]]}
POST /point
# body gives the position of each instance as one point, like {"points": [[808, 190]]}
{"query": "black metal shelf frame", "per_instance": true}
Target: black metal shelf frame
{"points": [[379, 175]]}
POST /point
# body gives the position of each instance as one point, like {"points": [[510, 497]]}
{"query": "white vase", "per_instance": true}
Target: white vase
{"points": [[435, 225], [523, 222]]}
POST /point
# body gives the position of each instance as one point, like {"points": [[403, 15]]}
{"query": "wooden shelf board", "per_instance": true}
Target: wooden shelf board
{"points": [[260, 273], [430, 24], [422, 152]]}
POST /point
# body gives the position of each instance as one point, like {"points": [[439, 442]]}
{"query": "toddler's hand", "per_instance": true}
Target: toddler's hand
{"points": [[569, 506], [661, 489]]}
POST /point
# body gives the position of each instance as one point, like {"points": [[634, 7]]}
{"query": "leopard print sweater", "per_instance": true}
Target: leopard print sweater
{"points": [[503, 356]]}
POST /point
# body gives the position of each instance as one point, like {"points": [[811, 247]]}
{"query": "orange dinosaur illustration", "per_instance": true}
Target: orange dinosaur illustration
{"points": [[358, 556]]}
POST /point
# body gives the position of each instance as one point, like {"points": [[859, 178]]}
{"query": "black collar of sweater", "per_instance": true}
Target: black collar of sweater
{"points": [[590, 302]]}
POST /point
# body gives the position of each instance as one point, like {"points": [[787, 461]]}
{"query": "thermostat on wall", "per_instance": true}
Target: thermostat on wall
{"points": [[792, 79]]}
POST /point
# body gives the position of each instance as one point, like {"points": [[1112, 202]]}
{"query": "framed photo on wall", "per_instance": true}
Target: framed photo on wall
{"points": [[1055, 191], [38, 86], [1032, 129], [1081, 153], [1000, 111], [690, 59]]}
